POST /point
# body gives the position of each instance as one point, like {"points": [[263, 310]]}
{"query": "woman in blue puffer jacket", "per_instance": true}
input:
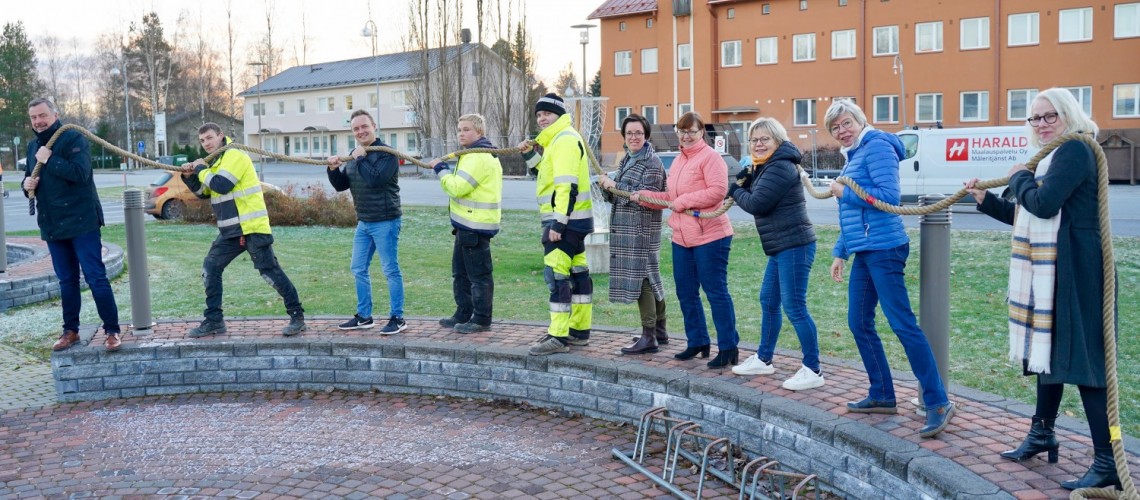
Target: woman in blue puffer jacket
{"points": [[880, 245]]}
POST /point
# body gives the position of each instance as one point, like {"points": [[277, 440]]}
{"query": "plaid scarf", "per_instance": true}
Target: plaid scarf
{"points": [[1032, 276]]}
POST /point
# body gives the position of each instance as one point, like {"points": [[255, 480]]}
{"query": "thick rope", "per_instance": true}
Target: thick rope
{"points": [[659, 202]]}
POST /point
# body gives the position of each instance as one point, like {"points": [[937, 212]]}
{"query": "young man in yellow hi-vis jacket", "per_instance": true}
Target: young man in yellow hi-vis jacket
{"points": [[563, 190], [476, 191], [235, 194]]}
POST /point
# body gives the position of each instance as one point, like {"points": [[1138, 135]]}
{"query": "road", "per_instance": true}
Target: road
{"points": [[1124, 200]]}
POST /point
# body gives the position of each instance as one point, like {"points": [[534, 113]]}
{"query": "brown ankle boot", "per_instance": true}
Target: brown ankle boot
{"points": [[660, 333], [645, 344]]}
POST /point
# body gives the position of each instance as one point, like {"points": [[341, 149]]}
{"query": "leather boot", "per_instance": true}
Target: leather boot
{"points": [[660, 332], [1100, 475], [646, 343], [1041, 438]]}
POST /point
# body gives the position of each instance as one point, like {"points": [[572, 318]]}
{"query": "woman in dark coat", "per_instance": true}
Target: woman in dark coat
{"points": [[1056, 330], [635, 236], [772, 193]]}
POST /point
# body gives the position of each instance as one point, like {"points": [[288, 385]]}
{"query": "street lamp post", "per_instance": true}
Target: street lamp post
{"points": [[370, 30], [584, 41], [126, 107], [898, 69], [258, 66]]}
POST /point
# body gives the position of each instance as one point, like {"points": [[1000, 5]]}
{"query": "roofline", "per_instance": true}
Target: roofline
{"points": [[595, 15], [253, 93]]}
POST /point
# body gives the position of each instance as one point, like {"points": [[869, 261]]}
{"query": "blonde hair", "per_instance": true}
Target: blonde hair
{"points": [[476, 120], [773, 127], [840, 106], [1069, 112]]}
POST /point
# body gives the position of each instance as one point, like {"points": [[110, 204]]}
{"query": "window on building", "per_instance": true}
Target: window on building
{"points": [[402, 98], [280, 107], [928, 37], [803, 4], [1126, 22], [975, 33], [372, 103], [843, 44], [766, 9], [1019, 102], [740, 128], [1083, 95], [684, 56], [975, 106], [842, 3], [1126, 101], [766, 50], [623, 62], [304, 145], [650, 113], [348, 103], [1076, 25], [684, 108], [649, 22], [620, 114], [649, 60], [886, 109], [929, 108], [1024, 29], [413, 142], [300, 106], [352, 143], [258, 109], [326, 104], [731, 13], [886, 40], [393, 139], [730, 53], [803, 47], [621, 26], [844, 98], [804, 112]]}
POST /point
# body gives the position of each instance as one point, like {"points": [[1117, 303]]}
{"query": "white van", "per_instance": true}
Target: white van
{"points": [[940, 160]]}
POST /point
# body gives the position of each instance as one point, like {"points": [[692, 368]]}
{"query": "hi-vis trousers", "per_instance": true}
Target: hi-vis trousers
{"points": [[571, 289]]}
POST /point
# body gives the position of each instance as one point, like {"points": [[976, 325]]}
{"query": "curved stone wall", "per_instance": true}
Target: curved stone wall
{"points": [[31, 279]]}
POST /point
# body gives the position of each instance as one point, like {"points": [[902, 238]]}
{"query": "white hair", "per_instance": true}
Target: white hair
{"points": [[1069, 112], [839, 107]]}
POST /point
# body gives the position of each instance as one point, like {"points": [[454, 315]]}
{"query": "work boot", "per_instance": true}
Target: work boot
{"points": [[453, 320], [646, 343], [548, 345], [1101, 474], [578, 337], [67, 339], [207, 328], [1041, 438], [296, 324], [471, 327]]}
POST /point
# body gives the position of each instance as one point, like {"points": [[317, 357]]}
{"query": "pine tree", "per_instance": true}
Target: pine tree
{"points": [[18, 81]]}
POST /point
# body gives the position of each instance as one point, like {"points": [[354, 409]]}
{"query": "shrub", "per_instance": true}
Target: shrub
{"points": [[292, 206], [827, 159]]}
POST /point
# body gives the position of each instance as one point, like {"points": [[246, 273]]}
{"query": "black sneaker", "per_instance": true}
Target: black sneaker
{"points": [[207, 328], [395, 325], [357, 323], [472, 327]]}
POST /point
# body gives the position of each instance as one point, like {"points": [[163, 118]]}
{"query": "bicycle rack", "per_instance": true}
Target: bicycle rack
{"points": [[676, 430]]}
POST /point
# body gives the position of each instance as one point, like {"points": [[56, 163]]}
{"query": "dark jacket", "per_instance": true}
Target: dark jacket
{"points": [[1070, 186], [66, 200], [873, 163], [373, 181], [776, 199]]}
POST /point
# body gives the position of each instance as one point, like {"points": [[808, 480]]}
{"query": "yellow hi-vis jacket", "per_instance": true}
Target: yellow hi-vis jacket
{"points": [[563, 188], [476, 190], [235, 194]]}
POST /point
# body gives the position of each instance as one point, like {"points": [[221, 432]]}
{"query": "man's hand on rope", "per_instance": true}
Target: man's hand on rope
{"points": [[335, 162], [188, 169], [43, 155], [30, 183], [526, 146], [837, 266], [359, 152]]}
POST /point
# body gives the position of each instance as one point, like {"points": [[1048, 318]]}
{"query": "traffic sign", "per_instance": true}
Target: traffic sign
{"points": [[142, 147]]}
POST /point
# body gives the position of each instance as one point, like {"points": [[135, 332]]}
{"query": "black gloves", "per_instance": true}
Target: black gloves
{"points": [[732, 189], [440, 167]]}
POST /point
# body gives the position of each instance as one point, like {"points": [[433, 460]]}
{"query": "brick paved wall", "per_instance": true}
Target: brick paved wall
{"points": [[31, 279], [853, 458]]}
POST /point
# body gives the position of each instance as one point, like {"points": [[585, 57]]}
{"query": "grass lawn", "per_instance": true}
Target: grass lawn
{"points": [[317, 258]]}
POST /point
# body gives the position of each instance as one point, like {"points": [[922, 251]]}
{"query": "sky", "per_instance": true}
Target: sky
{"points": [[333, 28]]}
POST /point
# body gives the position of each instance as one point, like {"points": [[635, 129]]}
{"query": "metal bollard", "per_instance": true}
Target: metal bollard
{"points": [[3, 239], [934, 283], [136, 261]]}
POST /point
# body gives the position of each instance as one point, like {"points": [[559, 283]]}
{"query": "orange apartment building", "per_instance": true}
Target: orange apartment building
{"points": [[963, 63]]}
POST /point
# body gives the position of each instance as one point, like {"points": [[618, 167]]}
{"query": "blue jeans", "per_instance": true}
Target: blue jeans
{"points": [[785, 283], [377, 237], [877, 277], [68, 257], [705, 267]]}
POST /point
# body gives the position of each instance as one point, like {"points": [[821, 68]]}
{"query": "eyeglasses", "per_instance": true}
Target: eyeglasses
{"points": [[760, 140], [690, 133], [636, 133], [1048, 118], [847, 124]]}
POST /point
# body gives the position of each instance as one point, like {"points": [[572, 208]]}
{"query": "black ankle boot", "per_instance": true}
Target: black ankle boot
{"points": [[1041, 438], [661, 333], [725, 357], [645, 344], [1101, 474], [691, 352]]}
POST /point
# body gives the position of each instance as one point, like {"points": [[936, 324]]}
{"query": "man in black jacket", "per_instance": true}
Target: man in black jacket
{"points": [[69, 216], [373, 178]]}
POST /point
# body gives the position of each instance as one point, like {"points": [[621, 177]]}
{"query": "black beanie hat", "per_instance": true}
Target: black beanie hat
{"points": [[551, 102]]}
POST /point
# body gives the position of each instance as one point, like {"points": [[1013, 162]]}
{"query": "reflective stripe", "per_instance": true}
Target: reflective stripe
{"points": [[580, 299], [443, 172], [224, 173], [242, 218], [566, 179], [584, 196], [580, 269], [568, 131], [235, 194], [475, 204], [559, 307], [581, 214], [201, 189], [467, 177], [542, 200], [486, 226]]}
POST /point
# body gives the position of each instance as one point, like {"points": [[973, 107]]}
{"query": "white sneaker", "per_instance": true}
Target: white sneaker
{"points": [[804, 379], [753, 366]]}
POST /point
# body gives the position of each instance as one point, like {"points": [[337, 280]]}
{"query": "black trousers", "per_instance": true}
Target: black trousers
{"points": [[473, 285], [260, 248]]}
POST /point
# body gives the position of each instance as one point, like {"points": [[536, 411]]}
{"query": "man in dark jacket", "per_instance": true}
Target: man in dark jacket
{"points": [[372, 178], [69, 216]]}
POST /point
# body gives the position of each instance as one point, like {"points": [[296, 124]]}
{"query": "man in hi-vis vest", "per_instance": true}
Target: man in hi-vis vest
{"points": [[243, 226], [563, 190]]}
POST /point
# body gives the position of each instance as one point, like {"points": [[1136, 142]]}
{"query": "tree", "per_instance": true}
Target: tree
{"points": [[596, 84], [567, 80], [151, 63], [19, 83], [54, 62]]}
